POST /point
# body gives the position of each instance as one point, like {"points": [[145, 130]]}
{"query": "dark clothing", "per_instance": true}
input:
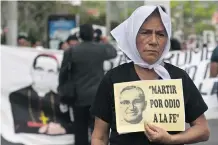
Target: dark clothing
{"points": [[87, 72], [87, 65], [175, 44], [66, 85], [104, 107], [214, 57], [83, 121], [27, 107]]}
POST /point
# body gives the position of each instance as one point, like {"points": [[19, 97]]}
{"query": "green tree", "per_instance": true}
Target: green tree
{"points": [[196, 15]]}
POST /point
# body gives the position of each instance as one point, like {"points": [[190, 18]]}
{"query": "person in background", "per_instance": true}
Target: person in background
{"points": [[86, 60], [205, 45], [72, 40], [63, 46], [184, 46], [22, 41], [192, 42], [97, 35], [3, 35], [214, 63], [175, 45], [36, 44]]}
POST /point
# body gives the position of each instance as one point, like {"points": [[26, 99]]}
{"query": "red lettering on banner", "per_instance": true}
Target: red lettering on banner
{"points": [[34, 124]]}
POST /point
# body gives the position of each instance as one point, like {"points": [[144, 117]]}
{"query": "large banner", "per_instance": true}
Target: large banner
{"points": [[196, 63], [30, 110]]}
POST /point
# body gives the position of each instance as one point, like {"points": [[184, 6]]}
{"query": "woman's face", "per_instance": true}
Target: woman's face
{"points": [[151, 39]]}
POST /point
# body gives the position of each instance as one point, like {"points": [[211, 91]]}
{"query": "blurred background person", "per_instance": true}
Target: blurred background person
{"points": [[97, 35], [86, 60], [3, 35], [214, 63], [72, 40], [214, 66], [22, 41], [191, 42], [175, 44], [36, 43], [63, 46]]}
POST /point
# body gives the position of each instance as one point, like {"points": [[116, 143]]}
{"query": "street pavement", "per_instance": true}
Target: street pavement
{"points": [[213, 124], [212, 117]]}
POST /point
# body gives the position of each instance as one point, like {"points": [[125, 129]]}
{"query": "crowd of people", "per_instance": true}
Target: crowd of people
{"points": [[25, 41], [73, 40]]}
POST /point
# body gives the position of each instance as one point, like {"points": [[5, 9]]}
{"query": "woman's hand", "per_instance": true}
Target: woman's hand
{"points": [[156, 134]]}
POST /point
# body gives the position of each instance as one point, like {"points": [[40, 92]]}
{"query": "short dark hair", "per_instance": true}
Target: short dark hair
{"points": [[22, 37], [98, 33], [45, 55], [86, 32], [141, 92], [72, 37]]}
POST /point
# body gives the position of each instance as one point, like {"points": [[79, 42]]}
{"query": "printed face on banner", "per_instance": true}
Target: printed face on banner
{"points": [[35, 108], [44, 72], [132, 104], [159, 102]]}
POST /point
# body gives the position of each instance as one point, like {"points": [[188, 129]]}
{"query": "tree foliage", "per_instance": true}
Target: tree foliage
{"points": [[33, 15], [196, 14]]}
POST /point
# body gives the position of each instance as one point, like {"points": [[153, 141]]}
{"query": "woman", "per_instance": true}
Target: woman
{"points": [[145, 39]]}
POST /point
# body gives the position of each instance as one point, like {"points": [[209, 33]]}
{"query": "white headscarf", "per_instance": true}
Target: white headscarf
{"points": [[125, 35]]}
